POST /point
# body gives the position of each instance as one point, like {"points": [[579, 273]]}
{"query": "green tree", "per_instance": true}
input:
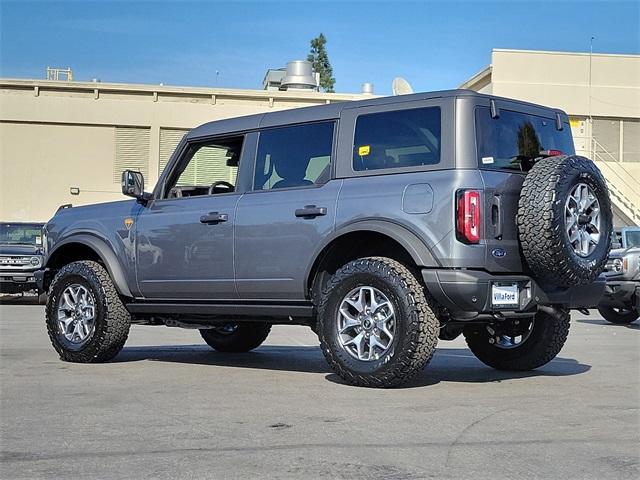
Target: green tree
{"points": [[320, 59]]}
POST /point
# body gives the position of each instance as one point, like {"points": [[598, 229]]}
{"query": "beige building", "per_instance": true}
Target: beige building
{"points": [[601, 94], [60, 136], [57, 136]]}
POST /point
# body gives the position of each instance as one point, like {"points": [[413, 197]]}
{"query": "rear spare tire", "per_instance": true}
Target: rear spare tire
{"points": [[564, 220]]}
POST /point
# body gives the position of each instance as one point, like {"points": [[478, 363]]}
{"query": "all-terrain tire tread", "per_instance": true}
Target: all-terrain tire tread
{"points": [[117, 317], [552, 342], [541, 223], [422, 324]]}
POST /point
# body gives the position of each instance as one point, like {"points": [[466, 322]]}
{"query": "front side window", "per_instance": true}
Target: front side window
{"points": [[209, 168], [402, 138], [294, 156], [514, 139]]}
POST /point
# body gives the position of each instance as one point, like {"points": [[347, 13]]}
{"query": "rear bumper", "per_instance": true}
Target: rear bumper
{"points": [[467, 293], [621, 293]]}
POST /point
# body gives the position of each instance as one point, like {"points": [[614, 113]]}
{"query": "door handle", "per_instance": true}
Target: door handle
{"points": [[310, 211], [213, 218]]}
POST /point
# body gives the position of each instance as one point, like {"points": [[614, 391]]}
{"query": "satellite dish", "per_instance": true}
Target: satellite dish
{"points": [[401, 87]]}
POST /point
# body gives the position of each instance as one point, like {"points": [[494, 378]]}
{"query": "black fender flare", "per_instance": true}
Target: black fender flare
{"points": [[417, 249], [106, 254]]}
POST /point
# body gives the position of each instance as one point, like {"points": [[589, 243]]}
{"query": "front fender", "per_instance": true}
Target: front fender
{"points": [[106, 254]]}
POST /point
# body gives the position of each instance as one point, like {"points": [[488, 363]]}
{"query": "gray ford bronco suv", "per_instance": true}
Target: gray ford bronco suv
{"points": [[383, 224]]}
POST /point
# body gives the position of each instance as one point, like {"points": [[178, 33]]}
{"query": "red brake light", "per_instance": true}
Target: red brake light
{"points": [[468, 216], [551, 153]]}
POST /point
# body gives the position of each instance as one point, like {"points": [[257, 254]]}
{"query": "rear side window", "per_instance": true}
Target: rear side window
{"points": [[294, 156], [401, 138], [513, 139]]}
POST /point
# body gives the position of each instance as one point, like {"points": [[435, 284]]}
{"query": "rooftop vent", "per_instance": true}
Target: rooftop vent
{"points": [[299, 75]]}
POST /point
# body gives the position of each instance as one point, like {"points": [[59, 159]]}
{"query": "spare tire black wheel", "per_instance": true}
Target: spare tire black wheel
{"points": [[564, 220]]}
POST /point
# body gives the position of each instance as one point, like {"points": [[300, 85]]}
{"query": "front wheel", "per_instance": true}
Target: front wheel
{"points": [[520, 344], [375, 326], [86, 320], [619, 316]]}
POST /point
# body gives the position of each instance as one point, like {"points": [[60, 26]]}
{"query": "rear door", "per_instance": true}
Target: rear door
{"points": [[282, 221]]}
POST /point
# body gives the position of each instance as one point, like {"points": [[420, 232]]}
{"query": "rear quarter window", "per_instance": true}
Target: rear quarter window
{"points": [[514, 138], [396, 139]]}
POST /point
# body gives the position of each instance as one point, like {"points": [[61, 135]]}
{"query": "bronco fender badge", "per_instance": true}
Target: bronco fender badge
{"points": [[498, 252], [128, 222]]}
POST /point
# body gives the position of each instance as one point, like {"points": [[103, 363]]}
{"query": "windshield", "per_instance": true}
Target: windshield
{"points": [[20, 234], [632, 238], [513, 139]]}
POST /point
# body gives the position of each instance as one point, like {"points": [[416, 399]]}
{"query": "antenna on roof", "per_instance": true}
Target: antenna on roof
{"points": [[400, 86]]}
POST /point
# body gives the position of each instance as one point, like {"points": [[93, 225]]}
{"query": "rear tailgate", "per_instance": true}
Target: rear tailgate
{"points": [[501, 194]]}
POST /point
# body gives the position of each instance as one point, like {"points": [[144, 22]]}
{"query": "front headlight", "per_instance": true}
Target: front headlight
{"points": [[617, 265], [35, 261]]}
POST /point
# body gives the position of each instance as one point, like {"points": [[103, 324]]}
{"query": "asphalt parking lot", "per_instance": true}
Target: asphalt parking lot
{"points": [[169, 407]]}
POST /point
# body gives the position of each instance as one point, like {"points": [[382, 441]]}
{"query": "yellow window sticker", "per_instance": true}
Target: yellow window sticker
{"points": [[364, 150]]}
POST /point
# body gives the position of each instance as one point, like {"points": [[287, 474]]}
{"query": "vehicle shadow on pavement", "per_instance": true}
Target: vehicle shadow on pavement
{"points": [[18, 300], [632, 326], [448, 364]]}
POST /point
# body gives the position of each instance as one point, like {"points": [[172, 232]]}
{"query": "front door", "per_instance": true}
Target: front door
{"points": [[184, 241], [282, 222]]}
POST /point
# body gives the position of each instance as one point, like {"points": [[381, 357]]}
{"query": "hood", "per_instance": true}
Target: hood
{"points": [[621, 252], [20, 250]]}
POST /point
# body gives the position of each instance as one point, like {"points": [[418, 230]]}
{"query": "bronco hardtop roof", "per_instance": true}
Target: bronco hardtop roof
{"points": [[326, 112]]}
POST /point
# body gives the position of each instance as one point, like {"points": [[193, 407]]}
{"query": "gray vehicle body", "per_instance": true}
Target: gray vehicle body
{"points": [[264, 261], [622, 274]]}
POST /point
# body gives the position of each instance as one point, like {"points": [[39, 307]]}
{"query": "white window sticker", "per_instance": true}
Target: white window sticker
{"points": [[486, 160]]}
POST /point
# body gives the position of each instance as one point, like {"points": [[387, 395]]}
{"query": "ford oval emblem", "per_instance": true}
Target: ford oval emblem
{"points": [[498, 253]]}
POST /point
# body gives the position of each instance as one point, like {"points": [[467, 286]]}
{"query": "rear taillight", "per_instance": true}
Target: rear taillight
{"points": [[468, 216]]}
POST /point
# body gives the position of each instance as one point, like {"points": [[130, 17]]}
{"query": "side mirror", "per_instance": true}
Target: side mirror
{"points": [[133, 185]]}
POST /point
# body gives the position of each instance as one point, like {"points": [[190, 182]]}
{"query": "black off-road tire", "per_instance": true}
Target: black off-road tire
{"points": [[548, 335], [245, 337], [622, 317], [112, 318], [416, 330], [541, 221]]}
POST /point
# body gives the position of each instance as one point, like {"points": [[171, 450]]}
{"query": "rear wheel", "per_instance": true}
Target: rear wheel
{"points": [[523, 344], [375, 326], [86, 320], [619, 316], [236, 337]]}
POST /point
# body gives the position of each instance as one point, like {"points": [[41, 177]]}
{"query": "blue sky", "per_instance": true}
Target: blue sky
{"points": [[435, 45]]}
